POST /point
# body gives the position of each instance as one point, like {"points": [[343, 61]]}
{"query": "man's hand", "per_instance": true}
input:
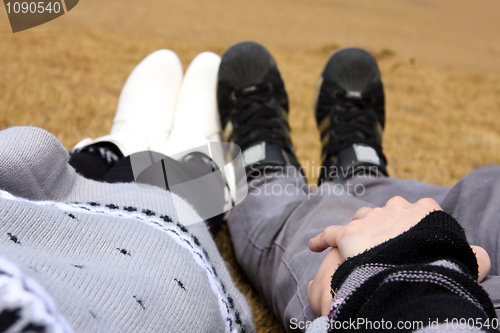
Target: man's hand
{"points": [[369, 228], [372, 226], [318, 290]]}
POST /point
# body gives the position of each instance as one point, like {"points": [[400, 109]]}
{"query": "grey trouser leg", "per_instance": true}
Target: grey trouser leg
{"points": [[474, 201], [271, 228], [378, 191], [270, 231]]}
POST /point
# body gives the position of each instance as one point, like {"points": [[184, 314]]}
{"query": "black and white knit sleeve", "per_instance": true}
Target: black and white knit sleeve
{"points": [[25, 307], [422, 280]]}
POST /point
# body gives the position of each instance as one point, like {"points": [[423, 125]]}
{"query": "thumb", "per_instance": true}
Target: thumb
{"points": [[330, 237]]}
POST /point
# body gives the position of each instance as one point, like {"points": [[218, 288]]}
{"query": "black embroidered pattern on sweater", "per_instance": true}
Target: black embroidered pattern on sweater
{"points": [[112, 206], [188, 243], [238, 318], [71, 216], [232, 314], [14, 238], [180, 284], [140, 302], [196, 251], [77, 266], [180, 226], [166, 218], [148, 212], [31, 327], [124, 252], [215, 273], [8, 317], [19, 306]]}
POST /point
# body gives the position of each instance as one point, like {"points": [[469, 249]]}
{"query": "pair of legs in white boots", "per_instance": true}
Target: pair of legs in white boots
{"points": [[161, 110]]}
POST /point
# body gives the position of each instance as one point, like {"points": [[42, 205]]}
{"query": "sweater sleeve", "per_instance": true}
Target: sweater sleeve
{"points": [[423, 279], [25, 306]]}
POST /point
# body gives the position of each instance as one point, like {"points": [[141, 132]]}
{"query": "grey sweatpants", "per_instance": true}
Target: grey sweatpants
{"points": [[271, 228]]}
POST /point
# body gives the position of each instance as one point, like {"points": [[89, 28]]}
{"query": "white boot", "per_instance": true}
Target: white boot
{"points": [[145, 111], [196, 119]]}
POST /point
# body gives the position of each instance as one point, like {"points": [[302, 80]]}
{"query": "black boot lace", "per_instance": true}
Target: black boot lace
{"points": [[258, 116], [352, 120]]}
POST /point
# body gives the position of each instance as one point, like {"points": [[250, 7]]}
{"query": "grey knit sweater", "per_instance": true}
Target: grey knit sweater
{"points": [[80, 255]]}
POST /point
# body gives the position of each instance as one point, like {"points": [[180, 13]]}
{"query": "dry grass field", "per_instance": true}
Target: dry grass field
{"points": [[440, 63]]}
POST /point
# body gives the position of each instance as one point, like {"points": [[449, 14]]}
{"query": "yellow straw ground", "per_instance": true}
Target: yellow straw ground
{"points": [[439, 62]]}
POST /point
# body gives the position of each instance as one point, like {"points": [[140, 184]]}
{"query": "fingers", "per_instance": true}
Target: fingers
{"points": [[397, 201], [332, 235], [429, 204], [374, 225], [328, 238], [425, 203], [318, 290], [483, 262], [360, 213]]}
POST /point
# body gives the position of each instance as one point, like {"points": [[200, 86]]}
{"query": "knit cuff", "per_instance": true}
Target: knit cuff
{"points": [[427, 272], [436, 236]]}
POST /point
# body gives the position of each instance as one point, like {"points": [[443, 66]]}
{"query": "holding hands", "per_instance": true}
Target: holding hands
{"points": [[369, 228]]}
